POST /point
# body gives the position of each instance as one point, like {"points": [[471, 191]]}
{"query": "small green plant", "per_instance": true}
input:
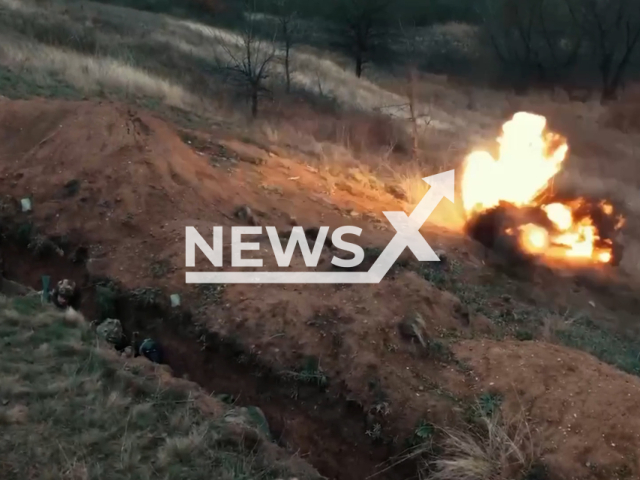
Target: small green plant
{"points": [[391, 347], [463, 367], [210, 293], [424, 430], [146, 296], [423, 433], [489, 404], [310, 373], [421, 439], [521, 315], [375, 432], [42, 246], [381, 408], [434, 275], [160, 268], [523, 335], [440, 350]]}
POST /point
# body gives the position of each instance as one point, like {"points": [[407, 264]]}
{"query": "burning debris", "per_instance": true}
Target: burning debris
{"points": [[511, 206]]}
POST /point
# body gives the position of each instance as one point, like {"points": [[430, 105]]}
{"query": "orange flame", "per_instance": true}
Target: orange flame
{"points": [[529, 158]]}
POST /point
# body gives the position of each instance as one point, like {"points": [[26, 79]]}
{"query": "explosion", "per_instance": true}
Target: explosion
{"points": [[512, 197]]}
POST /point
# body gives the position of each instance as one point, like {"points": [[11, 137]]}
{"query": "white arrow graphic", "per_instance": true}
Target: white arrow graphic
{"points": [[407, 235], [408, 228]]}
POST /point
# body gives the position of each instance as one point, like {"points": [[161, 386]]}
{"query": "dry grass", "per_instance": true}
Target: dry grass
{"points": [[333, 118], [162, 44], [104, 50], [108, 50], [501, 449], [91, 74], [71, 409]]}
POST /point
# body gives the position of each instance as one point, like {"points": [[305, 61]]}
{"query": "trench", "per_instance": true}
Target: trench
{"points": [[323, 427]]}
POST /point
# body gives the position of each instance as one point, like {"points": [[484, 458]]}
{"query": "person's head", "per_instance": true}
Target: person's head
{"points": [[66, 288], [154, 355], [151, 350]]}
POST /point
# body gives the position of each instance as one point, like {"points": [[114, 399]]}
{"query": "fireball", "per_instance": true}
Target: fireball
{"points": [[529, 157]]}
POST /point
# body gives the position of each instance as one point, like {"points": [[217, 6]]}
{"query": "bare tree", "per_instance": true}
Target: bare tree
{"points": [[249, 58], [363, 27], [613, 31], [535, 39], [411, 73], [289, 30]]}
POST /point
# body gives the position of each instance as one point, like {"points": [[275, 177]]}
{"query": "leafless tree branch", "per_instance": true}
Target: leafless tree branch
{"points": [[249, 59]]}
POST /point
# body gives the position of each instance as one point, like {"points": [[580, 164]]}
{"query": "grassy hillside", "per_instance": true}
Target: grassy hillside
{"points": [[179, 143], [180, 68], [71, 408]]}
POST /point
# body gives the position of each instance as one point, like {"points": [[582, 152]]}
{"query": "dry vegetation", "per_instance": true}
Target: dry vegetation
{"points": [[70, 408], [499, 449], [376, 131], [181, 67], [91, 49]]}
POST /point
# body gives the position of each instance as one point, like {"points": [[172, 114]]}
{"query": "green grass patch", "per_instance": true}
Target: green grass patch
{"points": [[27, 305], [28, 84], [69, 409], [611, 348]]}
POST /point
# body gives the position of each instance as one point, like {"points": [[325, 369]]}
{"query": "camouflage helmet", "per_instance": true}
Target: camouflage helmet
{"points": [[66, 287], [110, 330], [150, 349]]}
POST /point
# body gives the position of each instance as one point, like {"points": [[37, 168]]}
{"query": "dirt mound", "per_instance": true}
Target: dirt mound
{"points": [[125, 184], [99, 169], [584, 411]]}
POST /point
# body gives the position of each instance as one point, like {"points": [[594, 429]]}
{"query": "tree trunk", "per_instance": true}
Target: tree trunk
{"points": [[359, 64], [411, 94], [287, 70], [254, 102], [608, 89], [611, 87]]}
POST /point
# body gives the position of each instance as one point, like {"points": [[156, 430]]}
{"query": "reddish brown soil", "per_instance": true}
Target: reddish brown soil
{"points": [[141, 184], [586, 411]]}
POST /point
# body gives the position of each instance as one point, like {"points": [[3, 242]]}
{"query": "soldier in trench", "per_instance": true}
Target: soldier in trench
{"points": [[147, 348], [112, 332], [66, 294]]}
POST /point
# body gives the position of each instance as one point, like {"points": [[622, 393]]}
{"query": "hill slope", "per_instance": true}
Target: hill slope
{"points": [[71, 408], [140, 136]]}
